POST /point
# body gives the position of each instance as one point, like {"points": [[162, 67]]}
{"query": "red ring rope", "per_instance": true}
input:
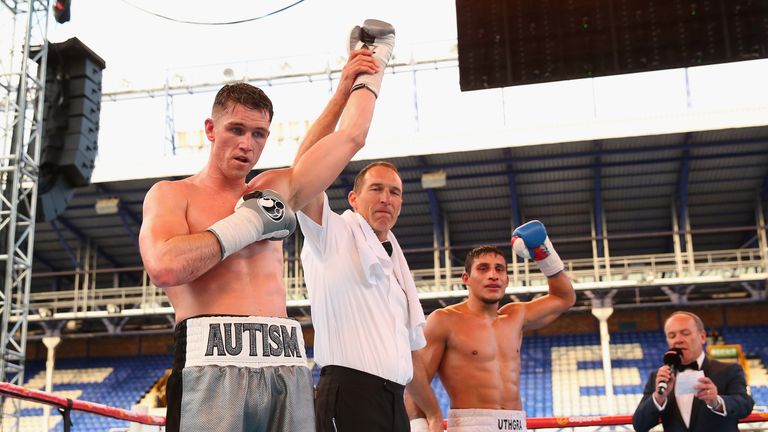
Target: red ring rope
{"points": [[121, 414], [90, 407]]}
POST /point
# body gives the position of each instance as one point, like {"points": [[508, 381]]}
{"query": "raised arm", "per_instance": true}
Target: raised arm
{"points": [[360, 62], [171, 254], [319, 165], [545, 309], [530, 241]]}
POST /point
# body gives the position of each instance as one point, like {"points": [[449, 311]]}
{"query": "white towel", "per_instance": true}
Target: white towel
{"points": [[375, 261]]}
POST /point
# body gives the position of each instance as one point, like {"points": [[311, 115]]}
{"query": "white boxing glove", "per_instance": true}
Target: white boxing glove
{"points": [[379, 37], [259, 215]]}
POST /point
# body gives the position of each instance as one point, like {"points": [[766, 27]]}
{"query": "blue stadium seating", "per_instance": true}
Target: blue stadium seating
{"points": [[129, 378], [536, 371]]}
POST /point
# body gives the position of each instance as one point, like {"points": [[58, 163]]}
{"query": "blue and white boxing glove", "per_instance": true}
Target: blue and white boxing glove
{"points": [[530, 241]]}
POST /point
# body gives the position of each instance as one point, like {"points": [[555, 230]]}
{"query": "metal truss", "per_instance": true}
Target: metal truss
{"points": [[176, 85], [22, 88]]}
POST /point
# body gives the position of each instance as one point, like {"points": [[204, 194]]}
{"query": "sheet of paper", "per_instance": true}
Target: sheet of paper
{"points": [[686, 380]]}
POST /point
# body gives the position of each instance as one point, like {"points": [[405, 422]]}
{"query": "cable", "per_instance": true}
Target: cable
{"points": [[211, 23]]}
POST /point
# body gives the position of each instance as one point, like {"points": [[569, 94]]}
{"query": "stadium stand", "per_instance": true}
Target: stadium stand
{"points": [[561, 375], [115, 381]]}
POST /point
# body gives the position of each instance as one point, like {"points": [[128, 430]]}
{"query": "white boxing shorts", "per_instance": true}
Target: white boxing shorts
{"points": [[240, 373], [486, 420]]}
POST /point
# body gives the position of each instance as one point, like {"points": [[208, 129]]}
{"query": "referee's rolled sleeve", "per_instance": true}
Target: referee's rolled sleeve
{"points": [[417, 339], [314, 234]]}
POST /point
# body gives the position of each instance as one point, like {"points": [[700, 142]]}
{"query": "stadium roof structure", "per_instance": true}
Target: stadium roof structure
{"points": [[639, 186]]}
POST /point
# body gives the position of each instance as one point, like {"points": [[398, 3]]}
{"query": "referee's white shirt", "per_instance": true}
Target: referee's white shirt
{"points": [[358, 325]]}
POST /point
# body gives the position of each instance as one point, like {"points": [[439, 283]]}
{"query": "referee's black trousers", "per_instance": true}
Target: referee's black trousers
{"points": [[349, 400]]}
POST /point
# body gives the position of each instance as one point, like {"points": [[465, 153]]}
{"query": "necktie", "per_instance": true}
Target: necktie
{"points": [[387, 247]]}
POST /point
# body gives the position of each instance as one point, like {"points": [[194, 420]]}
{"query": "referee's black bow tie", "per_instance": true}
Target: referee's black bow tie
{"points": [[693, 366], [387, 247]]}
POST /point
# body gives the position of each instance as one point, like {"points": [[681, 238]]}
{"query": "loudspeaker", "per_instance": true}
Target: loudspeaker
{"points": [[80, 70], [71, 123], [53, 198]]}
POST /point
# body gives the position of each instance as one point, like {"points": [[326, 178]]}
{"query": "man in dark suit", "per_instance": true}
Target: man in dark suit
{"points": [[720, 397]]}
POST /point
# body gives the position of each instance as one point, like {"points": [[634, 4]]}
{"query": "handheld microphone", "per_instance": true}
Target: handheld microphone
{"points": [[672, 358]]}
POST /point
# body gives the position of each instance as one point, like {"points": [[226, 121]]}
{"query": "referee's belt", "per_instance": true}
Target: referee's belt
{"points": [[359, 377]]}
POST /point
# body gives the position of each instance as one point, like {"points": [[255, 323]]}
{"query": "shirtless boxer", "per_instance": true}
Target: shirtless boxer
{"points": [[474, 346], [239, 362]]}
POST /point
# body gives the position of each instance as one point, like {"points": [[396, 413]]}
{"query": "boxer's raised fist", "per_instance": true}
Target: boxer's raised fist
{"points": [[379, 37], [530, 241]]}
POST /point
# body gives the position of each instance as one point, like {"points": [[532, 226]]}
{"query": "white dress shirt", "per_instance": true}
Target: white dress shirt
{"points": [[358, 324], [685, 401]]}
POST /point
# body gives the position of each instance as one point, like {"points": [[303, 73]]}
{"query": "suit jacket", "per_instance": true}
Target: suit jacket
{"points": [[731, 386]]}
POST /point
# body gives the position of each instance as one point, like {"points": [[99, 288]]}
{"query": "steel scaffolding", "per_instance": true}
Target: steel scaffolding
{"points": [[22, 88]]}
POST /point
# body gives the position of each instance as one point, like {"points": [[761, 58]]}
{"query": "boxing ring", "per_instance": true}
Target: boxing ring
{"points": [[66, 405], [757, 421]]}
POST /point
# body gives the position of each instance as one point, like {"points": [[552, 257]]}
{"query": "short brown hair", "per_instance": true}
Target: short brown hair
{"points": [[242, 94], [478, 251], [360, 177]]}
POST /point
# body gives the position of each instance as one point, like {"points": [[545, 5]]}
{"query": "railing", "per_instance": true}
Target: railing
{"points": [[736, 266], [622, 271], [756, 421]]}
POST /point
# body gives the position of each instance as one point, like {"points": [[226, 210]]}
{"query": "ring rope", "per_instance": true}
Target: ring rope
{"points": [[66, 405]]}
